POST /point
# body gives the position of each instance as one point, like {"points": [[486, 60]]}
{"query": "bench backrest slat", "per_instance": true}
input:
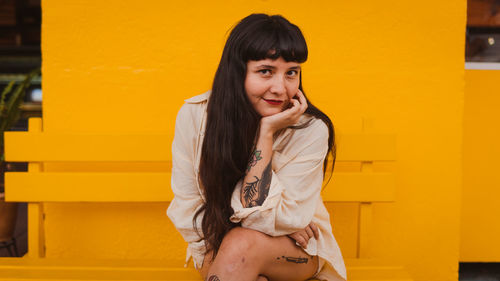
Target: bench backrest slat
{"points": [[155, 187], [50, 147]]}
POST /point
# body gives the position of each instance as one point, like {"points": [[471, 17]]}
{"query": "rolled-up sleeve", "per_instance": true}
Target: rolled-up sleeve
{"points": [[295, 189], [187, 199]]}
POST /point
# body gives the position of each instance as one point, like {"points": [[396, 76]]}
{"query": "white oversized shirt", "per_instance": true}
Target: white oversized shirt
{"points": [[294, 198]]}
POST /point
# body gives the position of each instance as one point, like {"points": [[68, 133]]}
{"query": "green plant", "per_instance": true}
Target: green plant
{"points": [[10, 111]]}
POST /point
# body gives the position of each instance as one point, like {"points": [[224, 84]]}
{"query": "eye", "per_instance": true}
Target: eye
{"points": [[265, 71], [292, 73]]}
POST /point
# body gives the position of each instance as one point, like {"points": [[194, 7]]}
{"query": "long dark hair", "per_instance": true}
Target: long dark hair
{"points": [[232, 122]]}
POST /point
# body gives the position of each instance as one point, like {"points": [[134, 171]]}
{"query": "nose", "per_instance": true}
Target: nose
{"points": [[278, 86]]}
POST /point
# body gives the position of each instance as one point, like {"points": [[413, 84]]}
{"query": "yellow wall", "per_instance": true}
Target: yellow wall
{"points": [[480, 227], [126, 66]]}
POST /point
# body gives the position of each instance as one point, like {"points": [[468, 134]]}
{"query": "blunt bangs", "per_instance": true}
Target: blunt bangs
{"points": [[273, 37]]}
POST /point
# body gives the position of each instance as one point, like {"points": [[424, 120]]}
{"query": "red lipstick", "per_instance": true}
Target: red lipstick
{"points": [[274, 102]]}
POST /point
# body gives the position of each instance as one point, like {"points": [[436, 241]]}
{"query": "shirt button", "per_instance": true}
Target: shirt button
{"points": [[202, 134]]}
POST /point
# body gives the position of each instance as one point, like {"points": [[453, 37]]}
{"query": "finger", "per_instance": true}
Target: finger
{"points": [[315, 229], [302, 241], [301, 96], [309, 231], [297, 238], [305, 239], [295, 104], [303, 101], [294, 110], [301, 109]]}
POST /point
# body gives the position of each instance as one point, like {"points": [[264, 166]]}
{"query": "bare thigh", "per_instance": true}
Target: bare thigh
{"points": [[276, 258]]}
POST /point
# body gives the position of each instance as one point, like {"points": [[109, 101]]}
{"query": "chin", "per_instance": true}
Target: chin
{"points": [[269, 112]]}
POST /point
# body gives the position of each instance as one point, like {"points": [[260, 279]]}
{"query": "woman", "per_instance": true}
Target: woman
{"points": [[248, 164]]}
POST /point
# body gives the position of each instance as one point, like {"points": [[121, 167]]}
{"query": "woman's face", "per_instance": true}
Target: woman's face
{"points": [[270, 84]]}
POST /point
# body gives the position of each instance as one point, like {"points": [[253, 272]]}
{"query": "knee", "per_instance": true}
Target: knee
{"points": [[241, 241]]}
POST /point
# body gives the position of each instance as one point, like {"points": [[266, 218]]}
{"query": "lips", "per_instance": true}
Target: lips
{"points": [[273, 102]]}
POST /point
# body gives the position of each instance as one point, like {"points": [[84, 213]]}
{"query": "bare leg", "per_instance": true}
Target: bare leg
{"points": [[249, 255]]}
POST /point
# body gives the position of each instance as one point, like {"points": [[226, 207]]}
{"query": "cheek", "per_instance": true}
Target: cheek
{"points": [[292, 90], [254, 87]]}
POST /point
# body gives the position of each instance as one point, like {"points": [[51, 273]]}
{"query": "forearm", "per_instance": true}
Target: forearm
{"points": [[258, 178]]}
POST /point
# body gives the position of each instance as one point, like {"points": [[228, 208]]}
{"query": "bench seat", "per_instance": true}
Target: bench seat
{"points": [[83, 269]]}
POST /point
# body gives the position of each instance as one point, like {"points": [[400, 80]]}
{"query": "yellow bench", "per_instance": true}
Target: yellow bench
{"points": [[36, 147]]}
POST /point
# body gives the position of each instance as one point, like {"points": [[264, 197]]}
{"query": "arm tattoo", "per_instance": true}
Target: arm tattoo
{"points": [[255, 193], [294, 260], [255, 157], [213, 278], [265, 184], [249, 191]]}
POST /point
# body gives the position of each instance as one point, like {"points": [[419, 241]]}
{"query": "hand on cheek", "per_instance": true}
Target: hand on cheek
{"points": [[288, 117]]}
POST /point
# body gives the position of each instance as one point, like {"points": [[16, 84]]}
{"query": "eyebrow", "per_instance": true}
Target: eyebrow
{"points": [[274, 67]]}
